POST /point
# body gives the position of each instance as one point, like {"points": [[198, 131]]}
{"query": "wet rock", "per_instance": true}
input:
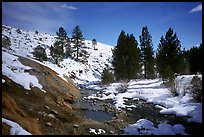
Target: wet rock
{"points": [[114, 117]]}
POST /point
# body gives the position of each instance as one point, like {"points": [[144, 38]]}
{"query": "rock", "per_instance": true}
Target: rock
{"points": [[43, 114], [48, 124], [54, 111], [47, 107], [112, 132], [76, 126], [114, 117], [51, 115]]}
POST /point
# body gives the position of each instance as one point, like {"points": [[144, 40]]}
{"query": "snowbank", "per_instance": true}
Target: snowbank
{"points": [[146, 127], [14, 70], [16, 129]]}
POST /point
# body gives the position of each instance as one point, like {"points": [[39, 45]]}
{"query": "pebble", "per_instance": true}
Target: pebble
{"points": [[47, 107], [51, 115], [55, 112], [75, 126], [112, 132], [114, 117], [43, 114], [48, 124]]}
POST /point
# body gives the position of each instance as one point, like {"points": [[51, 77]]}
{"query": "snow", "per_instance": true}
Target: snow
{"points": [[14, 70], [23, 45], [100, 131], [146, 127], [153, 91], [16, 129], [3, 81]]}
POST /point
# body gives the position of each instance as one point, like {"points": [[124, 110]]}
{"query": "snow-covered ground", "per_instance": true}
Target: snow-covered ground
{"points": [[14, 70], [153, 91], [146, 127], [16, 129], [23, 44]]}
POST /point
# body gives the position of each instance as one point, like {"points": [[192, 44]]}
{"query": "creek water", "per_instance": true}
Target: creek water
{"points": [[92, 109]]}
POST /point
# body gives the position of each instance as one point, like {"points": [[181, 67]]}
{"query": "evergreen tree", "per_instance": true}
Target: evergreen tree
{"points": [[107, 76], [126, 57], [78, 40], [61, 41], [94, 43], [40, 54], [57, 52], [133, 58], [118, 56], [64, 41], [194, 57], [169, 56], [147, 53]]}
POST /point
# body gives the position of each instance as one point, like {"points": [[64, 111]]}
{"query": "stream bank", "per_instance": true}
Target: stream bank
{"points": [[104, 112]]}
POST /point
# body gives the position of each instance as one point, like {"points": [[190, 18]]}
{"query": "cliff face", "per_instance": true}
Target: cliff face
{"points": [[32, 109]]}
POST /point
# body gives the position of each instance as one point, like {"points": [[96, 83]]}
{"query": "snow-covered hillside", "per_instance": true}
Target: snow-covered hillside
{"points": [[23, 43]]}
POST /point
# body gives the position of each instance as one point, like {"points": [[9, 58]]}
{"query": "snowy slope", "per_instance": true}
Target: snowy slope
{"points": [[23, 44], [14, 70]]}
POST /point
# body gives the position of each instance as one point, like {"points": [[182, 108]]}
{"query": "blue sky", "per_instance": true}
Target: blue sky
{"points": [[105, 20]]}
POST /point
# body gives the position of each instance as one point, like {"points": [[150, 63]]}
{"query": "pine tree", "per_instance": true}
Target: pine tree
{"points": [[107, 76], [126, 57], [64, 40], [194, 57], [57, 52], [147, 53], [133, 58], [118, 56], [78, 40], [94, 43], [169, 56], [40, 54]]}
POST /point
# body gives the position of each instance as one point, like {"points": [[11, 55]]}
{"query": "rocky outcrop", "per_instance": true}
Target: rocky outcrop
{"points": [[11, 111], [55, 102], [60, 89]]}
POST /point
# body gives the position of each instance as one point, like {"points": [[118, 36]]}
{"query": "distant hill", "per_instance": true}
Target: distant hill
{"points": [[23, 43]]}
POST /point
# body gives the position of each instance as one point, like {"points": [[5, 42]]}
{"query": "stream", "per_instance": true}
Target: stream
{"points": [[105, 112]]}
